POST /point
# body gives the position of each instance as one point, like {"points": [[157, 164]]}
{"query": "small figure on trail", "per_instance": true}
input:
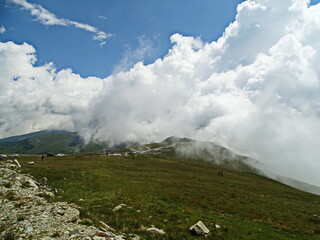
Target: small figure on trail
{"points": [[42, 157], [220, 173]]}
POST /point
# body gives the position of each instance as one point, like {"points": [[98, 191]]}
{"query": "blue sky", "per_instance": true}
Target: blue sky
{"points": [[130, 22]]}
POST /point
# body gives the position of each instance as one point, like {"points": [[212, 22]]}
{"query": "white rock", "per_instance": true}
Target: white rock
{"points": [[155, 231], [28, 229], [118, 238], [31, 163], [106, 226], [119, 207], [17, 163], [98, 238], [31, 184], [199, 228]]}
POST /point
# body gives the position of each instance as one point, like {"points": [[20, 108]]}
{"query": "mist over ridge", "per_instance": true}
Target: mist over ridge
{"points": [[254, 90]]}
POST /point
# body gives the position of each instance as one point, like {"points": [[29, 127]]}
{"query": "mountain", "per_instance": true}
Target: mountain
{"points": [[54, 142], [48, 142], [19, 138], [202, 151]]}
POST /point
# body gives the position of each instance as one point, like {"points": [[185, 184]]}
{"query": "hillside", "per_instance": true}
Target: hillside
{"points": [[172, 192], [48, 142], [55, 142]]}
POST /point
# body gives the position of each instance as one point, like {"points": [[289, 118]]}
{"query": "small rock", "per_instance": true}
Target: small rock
{"points": [[31, 184], [103, 224], [12, 175], [31, 163], [28, 229], [17, 163], [104, 234], [73, 205], [199, 229], [49, 194], [75, 232], [155, 231], [118, 238], [60, 212], [135, 237], [45, 194], [119, 207], [98, 238], [217, 226]]}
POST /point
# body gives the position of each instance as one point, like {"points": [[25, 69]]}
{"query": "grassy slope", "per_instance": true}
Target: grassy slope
{"points": [[173, 193]]}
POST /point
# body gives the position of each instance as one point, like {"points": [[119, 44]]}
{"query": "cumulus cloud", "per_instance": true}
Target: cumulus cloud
{"points": [[46, 17], [254, 90], [2, 29]]}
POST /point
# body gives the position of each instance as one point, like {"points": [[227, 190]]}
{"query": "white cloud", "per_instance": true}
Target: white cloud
{"points": [[46, 17], [144, 50], [2, 29], [255, 90], [103, 17]]}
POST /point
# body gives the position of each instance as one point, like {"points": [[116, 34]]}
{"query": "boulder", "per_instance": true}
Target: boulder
{"points": [[199, 229]]}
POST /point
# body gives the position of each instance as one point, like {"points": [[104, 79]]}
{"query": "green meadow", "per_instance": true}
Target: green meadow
{"points": [[172, 193]]}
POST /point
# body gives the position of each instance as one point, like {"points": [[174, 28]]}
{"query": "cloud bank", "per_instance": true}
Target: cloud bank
{"points": [[254, 90], [46, 17]]}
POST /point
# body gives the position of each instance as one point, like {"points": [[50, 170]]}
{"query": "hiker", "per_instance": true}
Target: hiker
{"points": [[42, 157]]}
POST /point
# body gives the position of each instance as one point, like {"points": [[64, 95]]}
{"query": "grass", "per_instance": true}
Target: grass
{"points": [[173, 193]]}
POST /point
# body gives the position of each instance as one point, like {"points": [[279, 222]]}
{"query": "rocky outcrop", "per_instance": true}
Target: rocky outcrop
{"points": [[27, 213]]}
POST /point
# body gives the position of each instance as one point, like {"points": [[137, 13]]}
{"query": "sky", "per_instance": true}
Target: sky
{"points": [[134, 26], [243, 74]]}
